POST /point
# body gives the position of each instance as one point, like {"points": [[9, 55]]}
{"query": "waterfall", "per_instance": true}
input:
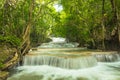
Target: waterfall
{"points": [[59, 43], [57, 40], [59, 60], [62, 62], [57, 57], [102, 71], [106, 56]]}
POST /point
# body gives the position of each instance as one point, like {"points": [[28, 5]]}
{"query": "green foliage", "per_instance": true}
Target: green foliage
{"points": [[14, 41], [44, 15], [74, 24], [79, 21], [1, 65]]}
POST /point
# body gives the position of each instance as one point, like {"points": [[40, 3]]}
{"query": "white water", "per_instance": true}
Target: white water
{"points": [[58, 40], [62, 64], [111, 57], [68, 63], [45, 72], [59, 43]]}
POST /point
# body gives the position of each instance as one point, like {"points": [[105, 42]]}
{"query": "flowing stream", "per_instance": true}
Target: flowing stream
{"points": [[59, 60]]}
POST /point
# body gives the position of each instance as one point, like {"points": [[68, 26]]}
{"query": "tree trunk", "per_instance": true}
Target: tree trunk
{"points": [[26, 37], [103, 25], [116, 18]]}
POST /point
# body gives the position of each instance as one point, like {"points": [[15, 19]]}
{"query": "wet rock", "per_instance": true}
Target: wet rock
{"points": [[49, 78], [82, 78], [64, 78], [30, 76], [60, 79], [34, 49]]}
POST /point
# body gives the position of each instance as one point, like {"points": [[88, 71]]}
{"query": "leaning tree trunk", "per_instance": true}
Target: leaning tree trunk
{"points": [[103, 25], [26, 34]]}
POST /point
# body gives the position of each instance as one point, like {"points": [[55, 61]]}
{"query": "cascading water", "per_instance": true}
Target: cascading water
{"points": [[59, 43], [105, 57], [65, 63], [62, 62]]}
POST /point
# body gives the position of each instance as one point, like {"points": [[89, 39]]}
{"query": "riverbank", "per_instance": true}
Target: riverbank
{"points": [[9, 56], [4, 75], [8, 59]]}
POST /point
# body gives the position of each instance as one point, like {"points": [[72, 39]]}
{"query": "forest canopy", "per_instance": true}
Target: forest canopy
{"points": [[91, 23]]}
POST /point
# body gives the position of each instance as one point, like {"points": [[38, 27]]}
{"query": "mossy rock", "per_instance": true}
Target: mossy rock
{"points": [[82, 78], [30, 76], [6, 53], [49, 79], [3, 75], [60, 79], [64, 78]]}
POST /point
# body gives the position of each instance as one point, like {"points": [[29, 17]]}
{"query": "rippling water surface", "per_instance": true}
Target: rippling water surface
{"points": [[59, 64], [103, 71]]}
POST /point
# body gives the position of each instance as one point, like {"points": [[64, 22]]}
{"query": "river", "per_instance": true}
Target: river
{"points": [[59, 60]]}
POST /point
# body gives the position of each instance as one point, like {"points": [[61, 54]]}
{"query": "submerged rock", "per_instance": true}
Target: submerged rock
{"points": [[82, 78]]}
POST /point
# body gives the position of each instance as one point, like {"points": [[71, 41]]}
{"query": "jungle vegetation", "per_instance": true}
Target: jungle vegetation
{"points": [[91, 23]]}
